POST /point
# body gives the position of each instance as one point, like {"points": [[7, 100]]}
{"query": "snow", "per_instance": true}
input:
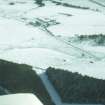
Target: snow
{"points": [[83, 22], [23, 43], [51, 90], [88, 21], [36, 57], [19, 99], [25, 36], [86, 3], [43, 58], [10, 32]]}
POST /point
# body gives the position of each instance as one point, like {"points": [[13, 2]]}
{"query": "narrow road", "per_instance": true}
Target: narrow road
{"points": [[48, 85]]}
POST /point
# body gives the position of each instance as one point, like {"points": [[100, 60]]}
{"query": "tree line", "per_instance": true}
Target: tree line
{"points": [[20, 78], [76, 88]]}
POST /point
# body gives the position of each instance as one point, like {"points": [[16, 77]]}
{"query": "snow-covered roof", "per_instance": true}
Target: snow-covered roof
{"points": [[19, 99]]}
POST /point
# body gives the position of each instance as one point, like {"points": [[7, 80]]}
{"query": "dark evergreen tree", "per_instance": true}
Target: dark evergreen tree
{"points": [[39, 2], [75, 88], [20, 78]]}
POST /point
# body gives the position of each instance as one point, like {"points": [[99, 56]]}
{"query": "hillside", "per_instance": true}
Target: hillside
{"points": [[65, 34], [76, 88]]}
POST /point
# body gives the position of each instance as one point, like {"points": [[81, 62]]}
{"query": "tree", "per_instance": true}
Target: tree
{"points": [[39, 2]]}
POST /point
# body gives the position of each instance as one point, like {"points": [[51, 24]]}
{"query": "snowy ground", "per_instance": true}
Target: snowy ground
{"points": [[24, 41]]}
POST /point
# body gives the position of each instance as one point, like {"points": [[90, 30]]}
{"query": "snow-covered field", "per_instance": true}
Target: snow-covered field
{"points": [[23, 42], [29, 34]]}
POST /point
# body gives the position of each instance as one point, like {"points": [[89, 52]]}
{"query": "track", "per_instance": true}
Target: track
{"points": [[98, 3], [77, 49]]}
